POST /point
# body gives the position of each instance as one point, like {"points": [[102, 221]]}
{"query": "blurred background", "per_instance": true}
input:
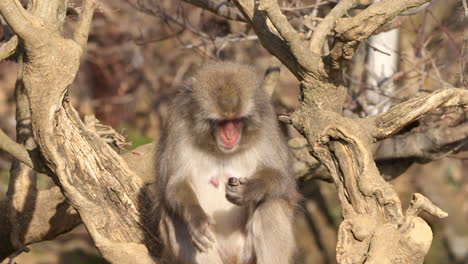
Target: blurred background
{"points": [[140, 51]]}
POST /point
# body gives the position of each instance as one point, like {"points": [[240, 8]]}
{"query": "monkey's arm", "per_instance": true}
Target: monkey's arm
{"points": [[266, 183], [183, 202]]}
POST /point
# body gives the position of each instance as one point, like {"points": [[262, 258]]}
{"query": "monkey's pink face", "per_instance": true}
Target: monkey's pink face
{"points": [[228, 135]]}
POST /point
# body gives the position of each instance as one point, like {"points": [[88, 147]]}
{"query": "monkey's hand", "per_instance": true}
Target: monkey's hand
{"points": [[235, 191], [199, 228], [266, 183]]}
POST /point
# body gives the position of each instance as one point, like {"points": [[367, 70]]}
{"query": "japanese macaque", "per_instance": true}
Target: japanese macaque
{"points": [[227, 190]]}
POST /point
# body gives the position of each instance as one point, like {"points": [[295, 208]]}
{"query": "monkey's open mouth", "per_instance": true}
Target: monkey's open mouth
{"points": [[229, 132]]}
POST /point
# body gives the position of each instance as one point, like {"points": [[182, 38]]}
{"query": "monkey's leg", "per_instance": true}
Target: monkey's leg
{"points": [[179, 248], [270, 230]]}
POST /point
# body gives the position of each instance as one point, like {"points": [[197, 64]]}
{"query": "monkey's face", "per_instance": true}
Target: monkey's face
{"points": [[228, 134]]}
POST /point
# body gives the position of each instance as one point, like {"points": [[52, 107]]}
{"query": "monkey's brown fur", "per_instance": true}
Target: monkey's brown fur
{"points": [[231, 224]]}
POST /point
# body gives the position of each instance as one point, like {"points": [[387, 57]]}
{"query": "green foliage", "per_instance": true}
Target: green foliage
{"points": [[133, 136], [78, 256]]}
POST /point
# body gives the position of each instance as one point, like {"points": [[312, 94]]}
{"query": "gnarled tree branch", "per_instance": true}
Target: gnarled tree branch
{"points": [[52, 216], [350, 31], [328, 23], [386, 124], [19, 20], [424, 146]]}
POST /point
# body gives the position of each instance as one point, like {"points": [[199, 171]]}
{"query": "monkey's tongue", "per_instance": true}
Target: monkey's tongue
{"points": [[229, 132]]}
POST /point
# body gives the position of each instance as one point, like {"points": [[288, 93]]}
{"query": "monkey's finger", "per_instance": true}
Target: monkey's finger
{"points": [[233, 181], [199, 246], [198, 243], [202, 242], [233, 188], [210, 236], [242, 180]]}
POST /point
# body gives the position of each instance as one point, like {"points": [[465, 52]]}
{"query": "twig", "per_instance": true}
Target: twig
{"points": [[377, 49], [220, 40], [221, 8], [16, 150], [300, 8]]}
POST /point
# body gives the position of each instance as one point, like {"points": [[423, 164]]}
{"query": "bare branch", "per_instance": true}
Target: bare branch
{"points": [[369, 20], [269, 36], [323, 29], [428, 145], [16, 150], [221, 8], [297, 46], [350, 31], [18, 18], [84, 22], [52, 216], [222, 41], [8, 48], [386, 124]]}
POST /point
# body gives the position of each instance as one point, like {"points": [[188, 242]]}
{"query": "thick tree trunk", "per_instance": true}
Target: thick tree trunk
{"points": [[110, 199]]}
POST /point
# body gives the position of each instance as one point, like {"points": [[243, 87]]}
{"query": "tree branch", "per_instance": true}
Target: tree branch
{"points": [[8, 48], [385, 124], [350, 31], [52, 216], [326, 25], [18, 151], [84, 23], [269, 36], [297, 46], [369, 20], [19, 20], [220, 8], [424, 146]]}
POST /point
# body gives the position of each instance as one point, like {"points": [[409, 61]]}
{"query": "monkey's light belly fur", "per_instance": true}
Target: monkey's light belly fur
{"points": [[227, 216]]}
